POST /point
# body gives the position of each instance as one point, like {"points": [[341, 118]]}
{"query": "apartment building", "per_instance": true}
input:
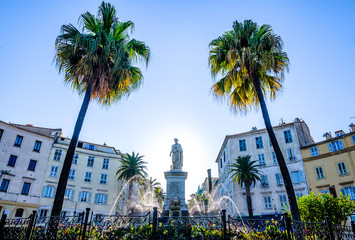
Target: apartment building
{"points": [[24, 151], [331, 162], [269, 196], [92, 180]]}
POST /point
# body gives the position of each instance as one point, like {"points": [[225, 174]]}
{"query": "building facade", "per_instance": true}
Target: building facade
{"points": [[24, 151], [331, 162], [268, 195], [92, 180]]}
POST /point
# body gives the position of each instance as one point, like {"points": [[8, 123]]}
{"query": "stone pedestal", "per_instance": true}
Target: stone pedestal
{"points": [[175, 186]]}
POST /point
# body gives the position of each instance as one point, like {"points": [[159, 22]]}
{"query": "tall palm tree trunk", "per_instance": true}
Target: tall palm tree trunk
{"points": [[249, 204], [280, 159], [63, 179]]}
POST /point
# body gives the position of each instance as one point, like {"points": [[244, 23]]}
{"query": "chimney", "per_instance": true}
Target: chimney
{"points": [[209, 180], [327, 135], [352, 126]]}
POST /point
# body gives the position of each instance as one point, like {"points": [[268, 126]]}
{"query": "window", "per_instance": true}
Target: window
{"points": [[242, 145], [274, 159], [1, 133], [335, 146], [319, 172], [291, 154], [43, 212], [314, 151], [103, 179], [26, 188], [75, 158], [100, 198], [48, 192], [279, 179], [353, 137], [72, 174], [37, 146], [259, 142], [224, 156], [91, 147], [32, 165], [297, 177], [12, 161], [267, 202], [105, 163], [288, 136], [342, 168], [54, 171], [57, 155], [18, 141], [283, 201], [349, 191], [264, 180], [87, 177], [91, 160], [85, 197], [69, 194], [299, 194], [19, 212], [261, 159], [4, 185], [220, 161]]}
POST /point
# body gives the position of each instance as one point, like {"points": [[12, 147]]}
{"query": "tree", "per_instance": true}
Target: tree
{"points": [[97, 62], [244, 171], [314, 208], [160, 196], [250, 64], [131, 166]]}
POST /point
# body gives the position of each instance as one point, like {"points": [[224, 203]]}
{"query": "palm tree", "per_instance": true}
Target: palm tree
{"points": [[147, 184], [97, 62], [131, 166], [249, 62], [159, 195], [244, 171]]}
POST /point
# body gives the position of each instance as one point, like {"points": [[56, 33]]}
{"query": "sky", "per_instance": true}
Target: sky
{"points": [[175, 99]]}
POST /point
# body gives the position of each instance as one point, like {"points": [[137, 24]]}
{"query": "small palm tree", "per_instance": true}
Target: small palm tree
{"points": [[131, 166], [147, 184], [98, 62], [244, 171], [159, 195], [250, 63]]}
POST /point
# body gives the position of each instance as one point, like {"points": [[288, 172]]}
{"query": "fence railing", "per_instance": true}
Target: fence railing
{"points": [[79, 226]]}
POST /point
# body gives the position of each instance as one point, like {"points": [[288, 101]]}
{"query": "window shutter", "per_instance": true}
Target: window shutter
{"points": [[96, 197], [301, 177], [341, 146], [89, 197], [342, 190], [53, 192], [330, 145], [72, 195], [44, 191], [106, 196], [79, 196]]}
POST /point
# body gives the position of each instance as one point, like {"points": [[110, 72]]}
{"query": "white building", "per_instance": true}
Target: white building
{"points": [[92, 180], [24, 151], [269, 195]]}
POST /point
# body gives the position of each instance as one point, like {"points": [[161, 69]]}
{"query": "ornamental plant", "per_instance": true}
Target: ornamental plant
{"points": [[315, 208]]}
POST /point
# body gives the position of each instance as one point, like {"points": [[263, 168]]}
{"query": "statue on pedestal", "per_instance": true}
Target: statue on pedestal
{"points": [[176, 155]]}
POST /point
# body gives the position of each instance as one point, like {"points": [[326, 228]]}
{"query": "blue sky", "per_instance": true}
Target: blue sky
{"points": [[175, 100]]}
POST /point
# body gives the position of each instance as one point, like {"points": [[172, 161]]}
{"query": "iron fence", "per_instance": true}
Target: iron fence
{"points": [[79, 226]]}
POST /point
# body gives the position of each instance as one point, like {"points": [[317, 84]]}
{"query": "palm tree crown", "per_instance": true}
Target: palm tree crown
{"points": [[245, 56], [244, 170], [131, 165], [101, 56]]}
